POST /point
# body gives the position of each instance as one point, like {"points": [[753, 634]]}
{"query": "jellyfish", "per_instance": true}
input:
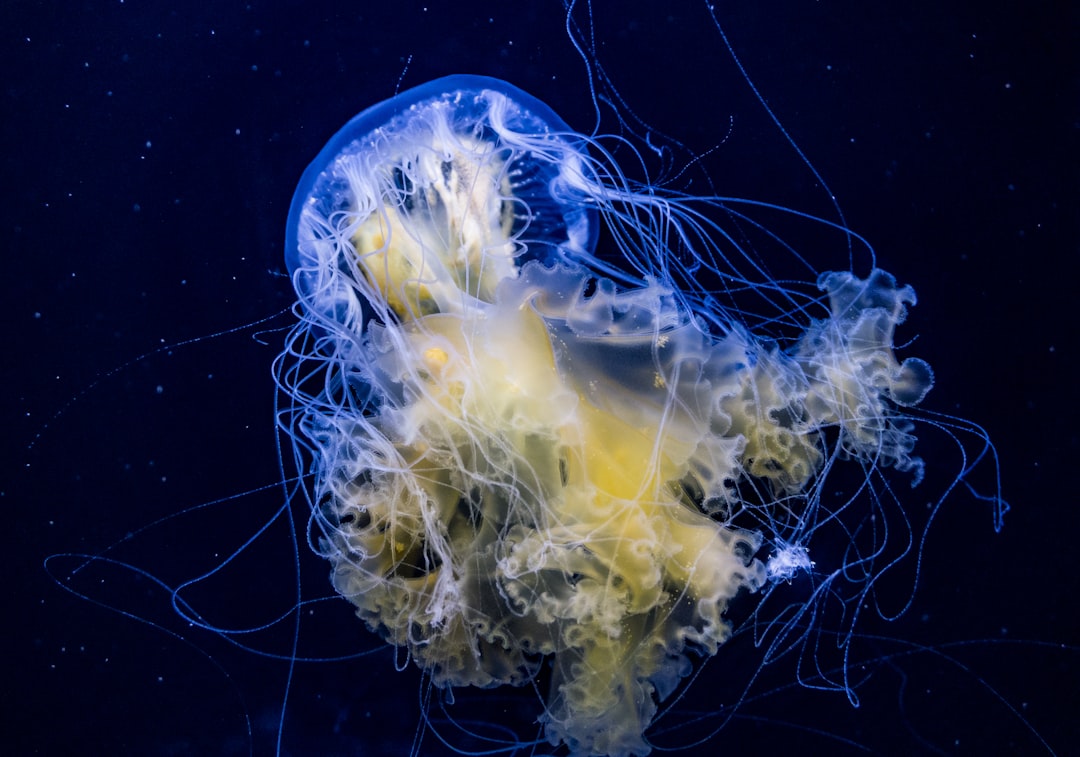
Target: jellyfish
{"points": [[554, 423]]}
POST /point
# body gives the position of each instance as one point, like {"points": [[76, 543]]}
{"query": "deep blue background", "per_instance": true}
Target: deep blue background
{"points": [[150, 154]]}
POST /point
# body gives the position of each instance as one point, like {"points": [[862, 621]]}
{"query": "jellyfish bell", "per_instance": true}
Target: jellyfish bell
{"points": [[535, 437], [437, 128]]}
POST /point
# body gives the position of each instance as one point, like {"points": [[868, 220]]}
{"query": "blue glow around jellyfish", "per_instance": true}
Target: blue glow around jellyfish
{"points": [[554, 424]]}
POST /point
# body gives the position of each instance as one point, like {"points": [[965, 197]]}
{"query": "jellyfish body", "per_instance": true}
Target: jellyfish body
{"points": [[522, 450]]}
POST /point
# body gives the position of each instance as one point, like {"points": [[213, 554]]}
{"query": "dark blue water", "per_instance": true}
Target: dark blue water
{"points": [[150, 156]]}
